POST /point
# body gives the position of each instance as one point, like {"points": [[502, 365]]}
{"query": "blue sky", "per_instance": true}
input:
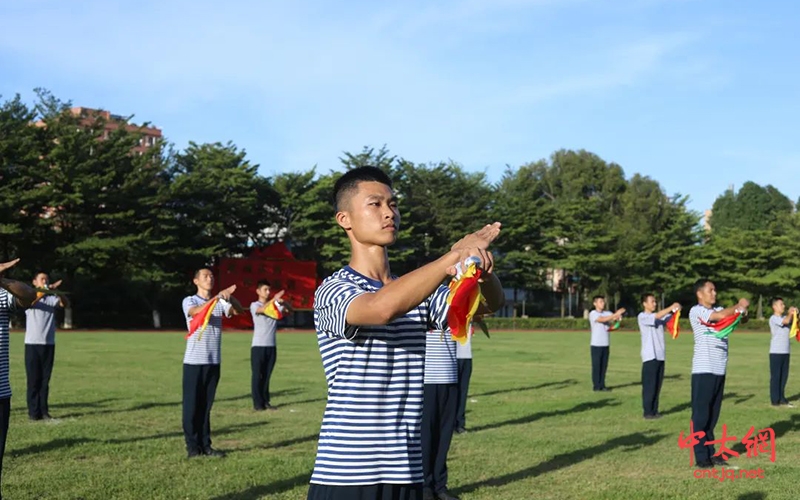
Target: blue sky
{"points": [[697, 94]]}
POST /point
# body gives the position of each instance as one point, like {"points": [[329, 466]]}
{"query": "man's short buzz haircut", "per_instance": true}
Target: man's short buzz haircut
{"points": [[346, 184], [646, 295], [262, 283], [699, 284], [197, 273], [776, 299], [594, 299]]}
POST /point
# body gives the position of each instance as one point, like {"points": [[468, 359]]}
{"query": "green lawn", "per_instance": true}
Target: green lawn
{"points": [[536, 428]]}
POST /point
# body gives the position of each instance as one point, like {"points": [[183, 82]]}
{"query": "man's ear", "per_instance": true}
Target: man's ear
{"points": [[343, 219]]}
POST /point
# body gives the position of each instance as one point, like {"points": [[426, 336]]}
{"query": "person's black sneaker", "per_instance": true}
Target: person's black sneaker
{"points": [[650, 417], [427, 494], [47, 416], [658, 415], [211, 452], [445, 495], [718, 461], [34, 418], [705, 464], [605, 389], [193, 453], [461, 430], [256, 408], [271, 408]]}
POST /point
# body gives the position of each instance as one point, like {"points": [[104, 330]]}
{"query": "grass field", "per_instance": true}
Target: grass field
{"points": [[536, 428]]}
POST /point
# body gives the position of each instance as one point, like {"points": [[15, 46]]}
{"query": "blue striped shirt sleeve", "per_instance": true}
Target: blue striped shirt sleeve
{"points": [[331, 301], [11, 301], [437, 312]]}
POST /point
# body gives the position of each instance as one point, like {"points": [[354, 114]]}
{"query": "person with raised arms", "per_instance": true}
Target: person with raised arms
{"points": [[371, 328]]}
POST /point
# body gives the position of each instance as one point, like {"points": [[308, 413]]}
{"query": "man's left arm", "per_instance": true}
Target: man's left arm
{"points": [[24, 294], [492, 291]]}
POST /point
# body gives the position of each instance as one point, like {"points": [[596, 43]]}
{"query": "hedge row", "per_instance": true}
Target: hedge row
{"points": [[628, 324]]}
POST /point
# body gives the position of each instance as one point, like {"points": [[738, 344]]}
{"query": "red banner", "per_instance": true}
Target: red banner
{"points": [[275, 264]]}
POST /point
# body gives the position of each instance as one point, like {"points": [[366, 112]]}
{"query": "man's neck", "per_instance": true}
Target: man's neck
{"points": [[706, 305], [372, 262], [206, 294]]}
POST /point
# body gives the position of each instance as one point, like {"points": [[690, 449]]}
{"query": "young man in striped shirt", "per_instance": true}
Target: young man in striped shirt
{"points": [[440, 403], [779, 352], [13, 294], [600, 321], [651, 326], [709, 365], [371, 329], [40, 346], [201, 363], [263, 352]]}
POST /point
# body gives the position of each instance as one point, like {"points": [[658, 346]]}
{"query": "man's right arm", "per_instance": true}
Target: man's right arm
{"points": [[611, 317], [398, 297], [789, 317], [729, 311], [671, 309]]}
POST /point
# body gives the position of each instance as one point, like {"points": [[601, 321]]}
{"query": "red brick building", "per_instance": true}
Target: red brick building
{"points": [[113, 122]]}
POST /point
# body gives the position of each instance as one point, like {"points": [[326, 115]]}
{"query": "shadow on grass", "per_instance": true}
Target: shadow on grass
{"points": [[161, 404], [62, 443], [555, 385], [593, 405], [279, 444], [231, 429], [638, 383], [88, 404], [55, 444], [147, 406], [302, 402], [753, 495], [678, 408], [781, 428], [737, 399], [256, 492], [629, 442]]}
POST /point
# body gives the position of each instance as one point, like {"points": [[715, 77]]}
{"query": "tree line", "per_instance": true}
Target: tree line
{"points": [[126, 231]]}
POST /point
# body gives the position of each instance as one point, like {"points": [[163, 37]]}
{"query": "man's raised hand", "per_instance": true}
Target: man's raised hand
{"points": [[7, 265], [479, 239], [226, 294]]}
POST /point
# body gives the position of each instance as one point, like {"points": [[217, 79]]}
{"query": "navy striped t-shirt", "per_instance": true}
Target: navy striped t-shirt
{"points": [[710, 353], [371, 426], [441, 363], [7, 304], [205, 348]]}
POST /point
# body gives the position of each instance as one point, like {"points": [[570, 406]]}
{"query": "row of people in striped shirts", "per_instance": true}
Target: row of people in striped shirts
{"points": [[372, 329], [709, 359], [202, 358]]}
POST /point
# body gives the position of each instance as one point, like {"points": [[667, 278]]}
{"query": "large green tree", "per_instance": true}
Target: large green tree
{"points": [[752, 207], [586, 195]]}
